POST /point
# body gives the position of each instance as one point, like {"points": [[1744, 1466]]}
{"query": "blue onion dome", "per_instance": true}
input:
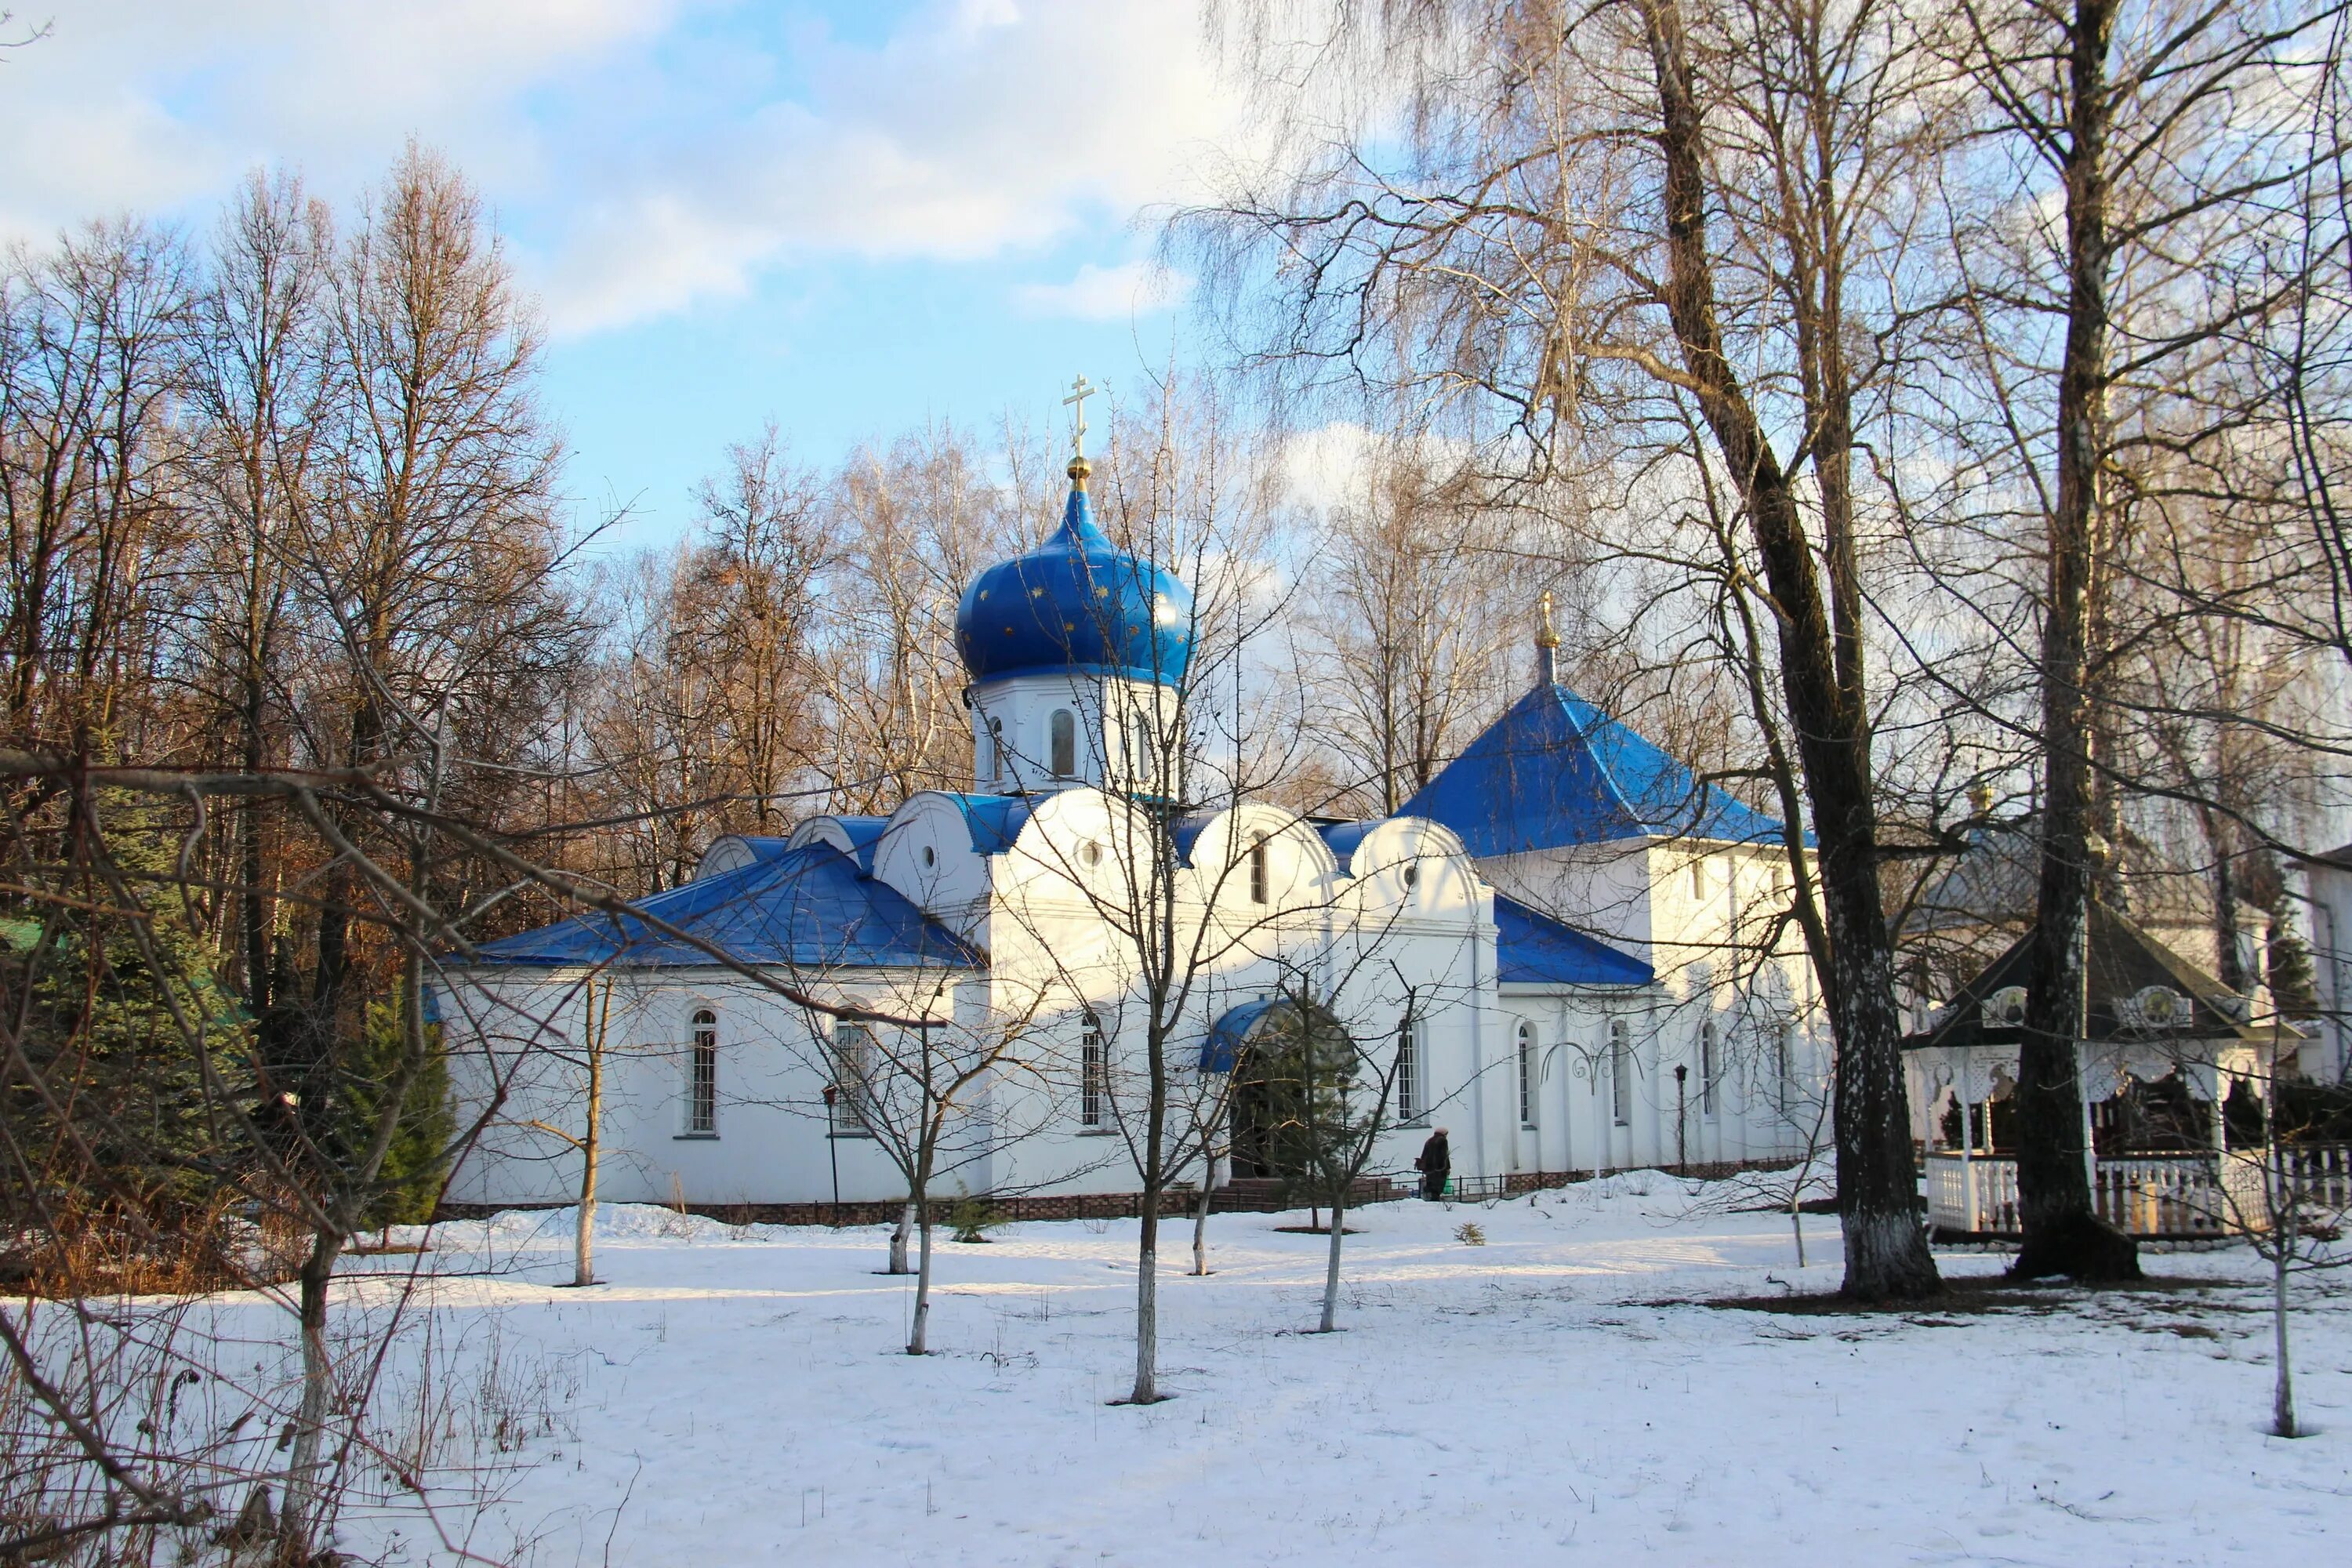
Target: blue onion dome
{"points": [[1078, 603]]}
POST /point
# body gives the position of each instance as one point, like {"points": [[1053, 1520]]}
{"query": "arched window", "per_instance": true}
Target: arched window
{"points": [[853, 1075], [1093, 1075], [1410, 1102], [1257, 870], [1527, 1076], [1708, 1067], [702, 1077], [1620, 1075], [1061, 743]]}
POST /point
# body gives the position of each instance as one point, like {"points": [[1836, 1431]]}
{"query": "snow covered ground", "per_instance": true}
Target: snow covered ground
{"points": [[1558, 1394]]}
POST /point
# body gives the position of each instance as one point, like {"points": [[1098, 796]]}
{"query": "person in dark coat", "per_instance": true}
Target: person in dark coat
{"points": [[1435, 1164]]}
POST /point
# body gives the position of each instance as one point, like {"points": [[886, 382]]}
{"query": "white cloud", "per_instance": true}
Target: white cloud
{"points": [[975, 129], [648, 154], [1325, 467], [126, 105], [1107, 293]]}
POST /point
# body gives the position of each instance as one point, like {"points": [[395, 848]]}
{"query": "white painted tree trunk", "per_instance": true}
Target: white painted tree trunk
{"points": [[306, 1511], [917, 1336], [1331, 1270], [899, 1237], [1797, 1224], [2283, 1388], [1147, 1306], [584, 1241], [1200, 1225]]}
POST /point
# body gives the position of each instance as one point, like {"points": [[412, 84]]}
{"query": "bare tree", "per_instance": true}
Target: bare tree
{"points": [[1600, 218], [2165, 136]]}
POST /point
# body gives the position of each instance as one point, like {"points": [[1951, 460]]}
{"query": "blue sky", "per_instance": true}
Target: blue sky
{"points": [[854, 217]]}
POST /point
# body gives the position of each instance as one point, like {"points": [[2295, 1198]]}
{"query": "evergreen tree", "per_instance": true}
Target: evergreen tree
{"points": [[408, 1183], [121, 1031], [1301, 1112]]}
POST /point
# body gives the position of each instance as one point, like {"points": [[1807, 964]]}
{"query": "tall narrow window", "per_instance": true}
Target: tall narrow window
{"points": [[1093, 1075], [1707, 1068], [992, 744], [702, 1077], [1061, 743], [1785, 1051], [853, 1071], [1620, 1075], [1409, 1106], [1258, 871], [1527, 1076]]}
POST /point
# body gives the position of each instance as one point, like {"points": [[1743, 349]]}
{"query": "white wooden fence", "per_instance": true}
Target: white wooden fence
{"points": [[2180, 1195]]}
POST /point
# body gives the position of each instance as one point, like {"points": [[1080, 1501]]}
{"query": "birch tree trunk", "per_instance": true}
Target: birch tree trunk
{"points": [[1886, 1254], [2063, 1235]]}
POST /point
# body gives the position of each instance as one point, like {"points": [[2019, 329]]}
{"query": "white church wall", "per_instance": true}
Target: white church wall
{"points": [[926, 854], [1601, 889], [770, 1142]]}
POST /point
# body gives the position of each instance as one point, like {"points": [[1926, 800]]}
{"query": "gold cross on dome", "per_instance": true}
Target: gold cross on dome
{"points": [[1079, 393]]}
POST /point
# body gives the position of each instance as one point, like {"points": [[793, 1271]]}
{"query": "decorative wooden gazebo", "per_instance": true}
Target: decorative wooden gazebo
{"points": [[2175, 1069]]}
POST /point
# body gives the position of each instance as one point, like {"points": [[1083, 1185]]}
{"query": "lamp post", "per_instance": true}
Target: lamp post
{"points": [[1681, 1117], [832, 1147]]}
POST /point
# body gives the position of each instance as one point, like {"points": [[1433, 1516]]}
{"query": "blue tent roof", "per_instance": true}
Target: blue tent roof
{"points": [[807, 907], [1533, 949], [1229, 1034], [1075, 602], [1555, 771]]}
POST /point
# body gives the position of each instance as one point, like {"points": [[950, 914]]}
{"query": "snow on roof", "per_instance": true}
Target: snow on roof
{"points": [[1555, 771], [807, 907], [1533, 949]]}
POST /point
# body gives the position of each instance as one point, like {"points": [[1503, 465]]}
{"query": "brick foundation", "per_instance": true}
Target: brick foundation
{"points": [[1243, 1196]]}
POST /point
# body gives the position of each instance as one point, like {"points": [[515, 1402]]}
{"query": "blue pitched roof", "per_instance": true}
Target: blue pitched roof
{"points": [[807, 907], [1533, 949], [1555, 771]]}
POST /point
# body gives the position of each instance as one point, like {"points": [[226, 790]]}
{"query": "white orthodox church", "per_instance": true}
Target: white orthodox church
{"points": [[1565, 950]]}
